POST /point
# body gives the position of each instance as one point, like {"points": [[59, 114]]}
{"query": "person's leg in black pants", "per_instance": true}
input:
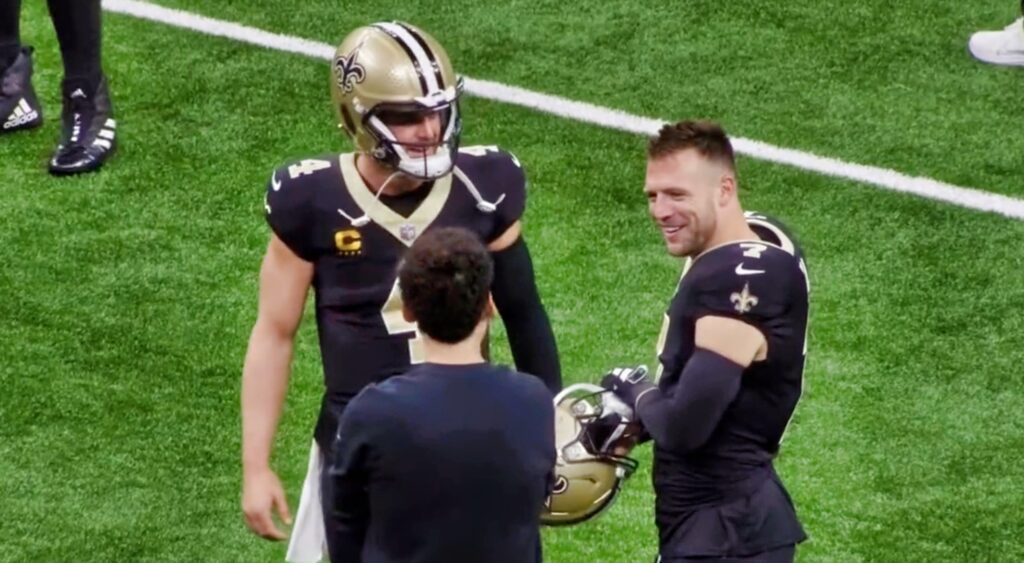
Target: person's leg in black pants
{"points": [[19, 107], [87, 124]]}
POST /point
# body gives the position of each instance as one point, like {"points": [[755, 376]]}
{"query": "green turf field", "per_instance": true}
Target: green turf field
{"points": [[128, 295]]}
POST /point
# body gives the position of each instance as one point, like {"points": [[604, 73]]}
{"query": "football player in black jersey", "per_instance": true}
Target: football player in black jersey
{"points": [[455, 456], [340, 224], [731, 358]]}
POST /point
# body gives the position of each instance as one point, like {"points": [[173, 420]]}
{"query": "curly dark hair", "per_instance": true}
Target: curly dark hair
{"points": [[445, 280]]}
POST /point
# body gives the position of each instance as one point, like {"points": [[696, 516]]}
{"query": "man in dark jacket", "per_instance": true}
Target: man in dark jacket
{"points": [[453, 460]]}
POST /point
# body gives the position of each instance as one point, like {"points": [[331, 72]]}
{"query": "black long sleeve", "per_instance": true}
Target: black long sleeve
{"points": [[529, 331], [683, 420]]}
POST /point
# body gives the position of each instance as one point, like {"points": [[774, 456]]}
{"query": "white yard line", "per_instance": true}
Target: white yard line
{"points": [[970, 198]]}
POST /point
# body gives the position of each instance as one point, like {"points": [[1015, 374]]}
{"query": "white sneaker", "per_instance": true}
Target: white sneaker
{"points": [[1004, 47]]}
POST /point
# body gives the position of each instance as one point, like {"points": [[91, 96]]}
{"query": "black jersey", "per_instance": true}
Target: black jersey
{"points": [[324, 212], [762, 283]]}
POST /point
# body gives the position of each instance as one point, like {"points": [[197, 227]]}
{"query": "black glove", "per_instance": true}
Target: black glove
{"points": [[628, 384], [598, 433]]}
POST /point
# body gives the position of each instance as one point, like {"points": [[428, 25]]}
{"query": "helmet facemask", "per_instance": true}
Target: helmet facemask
{"points": [[415, 163], [601, 429]]}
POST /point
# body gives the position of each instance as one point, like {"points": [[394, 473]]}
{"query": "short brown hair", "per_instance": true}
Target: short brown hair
{"points": [[706, 137], [445, 280]]}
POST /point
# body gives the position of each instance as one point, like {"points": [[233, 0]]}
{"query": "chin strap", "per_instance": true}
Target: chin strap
{"points": [[429, 167], [481, 204]]}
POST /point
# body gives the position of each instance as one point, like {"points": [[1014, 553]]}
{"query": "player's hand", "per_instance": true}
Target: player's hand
{"points": [[599, 435], [610, 403], [610, 434], [628, 383], [261, 493], [628, 441]]}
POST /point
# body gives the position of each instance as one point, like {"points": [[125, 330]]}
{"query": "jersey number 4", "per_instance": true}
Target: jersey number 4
{"points": [[396, 324], [307, 166]]}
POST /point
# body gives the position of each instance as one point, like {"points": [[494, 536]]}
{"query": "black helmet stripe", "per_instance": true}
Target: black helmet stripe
{"points": [[395, 32], [426, 49]]}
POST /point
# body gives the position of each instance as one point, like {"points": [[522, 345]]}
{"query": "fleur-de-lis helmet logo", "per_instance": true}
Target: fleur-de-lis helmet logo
{"points": [[348, 72]]}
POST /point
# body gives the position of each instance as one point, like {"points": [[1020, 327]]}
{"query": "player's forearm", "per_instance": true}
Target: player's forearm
{"points": [[264, 384], [672, 426], [533, 348], [529, 330], [683, 421]]}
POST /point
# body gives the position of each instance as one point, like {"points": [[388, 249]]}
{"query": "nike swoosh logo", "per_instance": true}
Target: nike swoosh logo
{"points": [[741, 271], [274, 182]]}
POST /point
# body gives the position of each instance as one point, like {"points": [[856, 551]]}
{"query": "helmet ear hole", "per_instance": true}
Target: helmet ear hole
{"points": [[561, 485]]}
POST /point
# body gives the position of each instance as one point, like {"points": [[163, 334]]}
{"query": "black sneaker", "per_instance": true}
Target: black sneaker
{"points": [[87, 133], [19, 107]]}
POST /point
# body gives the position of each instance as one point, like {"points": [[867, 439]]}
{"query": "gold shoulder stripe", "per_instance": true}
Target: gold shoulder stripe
{"points": [[404, 229]]}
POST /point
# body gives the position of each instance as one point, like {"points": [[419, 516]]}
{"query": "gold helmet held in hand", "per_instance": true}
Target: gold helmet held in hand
{"points": [[588, 472]]}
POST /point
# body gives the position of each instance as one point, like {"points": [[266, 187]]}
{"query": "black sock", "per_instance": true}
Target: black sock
{"points": [[78, 30], [10, 42]]}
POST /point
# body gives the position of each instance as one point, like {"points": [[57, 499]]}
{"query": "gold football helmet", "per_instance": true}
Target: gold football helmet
{"points": [[588, 474], [393, 68]]}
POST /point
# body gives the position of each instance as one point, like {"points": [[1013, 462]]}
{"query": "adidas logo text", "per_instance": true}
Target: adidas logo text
{"points": [[23, 113], [21, 120]]}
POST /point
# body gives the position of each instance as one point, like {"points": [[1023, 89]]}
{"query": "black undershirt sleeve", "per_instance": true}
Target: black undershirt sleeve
{"points": [[684, 420], [529, 331]]}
